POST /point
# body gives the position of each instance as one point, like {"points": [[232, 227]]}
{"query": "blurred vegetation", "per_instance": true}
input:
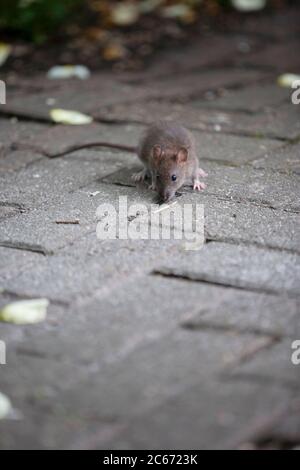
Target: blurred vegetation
{"points": [[37, 20]]}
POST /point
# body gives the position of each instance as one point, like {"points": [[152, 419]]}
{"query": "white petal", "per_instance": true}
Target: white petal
{"points": [[176, 11], [68, 71], [5, 406], [249, 5], [5, 50], [25, 311], [147, 6], [287, 79], [65, 116], [124, 15]]}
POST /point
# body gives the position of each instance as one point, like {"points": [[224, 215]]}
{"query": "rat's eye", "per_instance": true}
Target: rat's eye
{"points": [[173, 177]]}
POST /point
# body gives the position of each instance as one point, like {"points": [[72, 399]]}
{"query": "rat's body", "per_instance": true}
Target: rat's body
{"points": [[168, 153]]}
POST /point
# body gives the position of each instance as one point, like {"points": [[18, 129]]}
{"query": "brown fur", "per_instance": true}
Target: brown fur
{"points": [[168, 150]]}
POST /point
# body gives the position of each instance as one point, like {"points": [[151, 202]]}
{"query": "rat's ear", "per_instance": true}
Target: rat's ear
{"points": [[156, 152], [182, 155]]}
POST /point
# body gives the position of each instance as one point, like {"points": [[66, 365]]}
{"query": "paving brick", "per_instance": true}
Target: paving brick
{"points": [[168, 365], [83, 96], [121, 324], [40, 405], [155, 371], [13, 131], [239, 266], [282, 57], [48, 180], [286, 159], [118, 383], [79, 206], [203, 417], [192, 306], [89, 97], [14, 261], [243, 311], [67, 277], [230, 149], [287, 430], [20, 82], [59, 139], [249, 99], [183, 305], [276, 366], [262, 187], [182, 87], [18, 159], [242, 222], [56, 430], [172, 303], [9, 210], [281, 122]]}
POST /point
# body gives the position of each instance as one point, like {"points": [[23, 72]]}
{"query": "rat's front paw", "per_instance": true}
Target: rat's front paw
{"points": [[152, 186], [198, 186], [202, 173], [139, 176]]}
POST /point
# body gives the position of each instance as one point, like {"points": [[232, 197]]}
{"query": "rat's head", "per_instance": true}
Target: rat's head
{"points": [[170, 166]]}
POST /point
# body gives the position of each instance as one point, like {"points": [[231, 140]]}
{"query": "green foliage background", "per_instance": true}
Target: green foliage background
{"points": [[35, 19]]}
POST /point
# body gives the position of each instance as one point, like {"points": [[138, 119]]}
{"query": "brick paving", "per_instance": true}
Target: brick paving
{"points": [[146, 345]]}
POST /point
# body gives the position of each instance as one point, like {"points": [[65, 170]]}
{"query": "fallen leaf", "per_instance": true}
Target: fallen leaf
{"points": [[287, 79], [114, 51], [124, 14], [249, 5], [5, 406], [180, 11], [69, 71], [65, 116], [5, 50], [147, 6], [95, 33], [25, 311]]}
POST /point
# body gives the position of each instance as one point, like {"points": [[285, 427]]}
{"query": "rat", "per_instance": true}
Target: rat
{"points": [[168, 152]]}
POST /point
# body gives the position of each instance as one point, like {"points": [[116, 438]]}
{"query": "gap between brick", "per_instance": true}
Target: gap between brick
{"points": [[214, 282], [26, 247]]}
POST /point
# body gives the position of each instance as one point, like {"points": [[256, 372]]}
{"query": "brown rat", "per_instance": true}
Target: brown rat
{"points": [[168, 153]]}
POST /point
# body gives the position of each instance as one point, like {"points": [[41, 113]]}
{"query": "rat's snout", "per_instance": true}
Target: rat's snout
{"points": [[166, 195]]}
